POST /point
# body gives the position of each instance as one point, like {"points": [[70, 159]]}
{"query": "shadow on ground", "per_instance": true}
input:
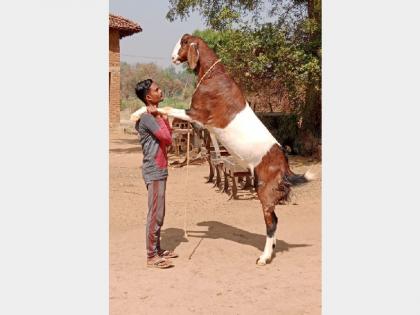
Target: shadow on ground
{"points": [[173, 237], [126, 150], [126, 141]]}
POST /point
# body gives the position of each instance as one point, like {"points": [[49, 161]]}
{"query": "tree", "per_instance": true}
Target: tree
{"points": [[277, 62]]}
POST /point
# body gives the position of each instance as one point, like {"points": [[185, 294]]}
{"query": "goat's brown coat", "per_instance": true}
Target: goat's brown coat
{"points": [[218, 98]]}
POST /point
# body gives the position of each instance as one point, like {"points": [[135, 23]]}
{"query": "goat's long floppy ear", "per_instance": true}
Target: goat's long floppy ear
{"points": [[193, 55]]}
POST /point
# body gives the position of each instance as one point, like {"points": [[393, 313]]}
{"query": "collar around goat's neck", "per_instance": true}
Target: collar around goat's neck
{"points": [[205, 74]]}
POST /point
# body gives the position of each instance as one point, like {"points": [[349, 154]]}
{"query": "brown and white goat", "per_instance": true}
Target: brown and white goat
{"points": [[219, 104]]}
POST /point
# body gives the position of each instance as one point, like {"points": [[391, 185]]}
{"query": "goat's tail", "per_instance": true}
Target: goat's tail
{"points": [[297, 179]]}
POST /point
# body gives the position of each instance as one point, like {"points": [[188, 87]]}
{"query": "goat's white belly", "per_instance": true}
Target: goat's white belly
{"points": [[246, 138]]}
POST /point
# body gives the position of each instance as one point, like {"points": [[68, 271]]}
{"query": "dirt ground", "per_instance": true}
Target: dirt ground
{"points": [[216, 271]]}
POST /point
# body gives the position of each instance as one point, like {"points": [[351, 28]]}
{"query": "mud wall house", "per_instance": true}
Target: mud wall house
{"points": [[119, 27]]}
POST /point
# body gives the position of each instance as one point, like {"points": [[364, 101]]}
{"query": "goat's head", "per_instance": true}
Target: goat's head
{"points": [[186, 49]]}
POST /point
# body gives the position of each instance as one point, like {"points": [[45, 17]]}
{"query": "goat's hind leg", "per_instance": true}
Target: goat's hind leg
{"points": [[271, 226]]}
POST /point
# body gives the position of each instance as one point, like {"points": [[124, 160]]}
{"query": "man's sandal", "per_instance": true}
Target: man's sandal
{"points": [[167, 253], [159, 262]]}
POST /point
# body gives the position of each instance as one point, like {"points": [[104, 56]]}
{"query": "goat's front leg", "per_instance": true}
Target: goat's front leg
{"points": [[184, 114], [170, 111], [176, 113], [136, 115]]}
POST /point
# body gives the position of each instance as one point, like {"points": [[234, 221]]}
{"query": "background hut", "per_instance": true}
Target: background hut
{"points": [[119, 27]]}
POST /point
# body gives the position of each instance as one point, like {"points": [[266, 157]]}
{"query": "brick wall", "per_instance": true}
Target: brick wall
{"points": [[114, 77]]}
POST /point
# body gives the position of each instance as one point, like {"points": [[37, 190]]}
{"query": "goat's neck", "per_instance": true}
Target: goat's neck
{"points": [[207, 59]]}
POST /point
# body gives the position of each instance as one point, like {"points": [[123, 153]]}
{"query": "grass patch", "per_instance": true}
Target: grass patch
{"points": [[133, 104]]}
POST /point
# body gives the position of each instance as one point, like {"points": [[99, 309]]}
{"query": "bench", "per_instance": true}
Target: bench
{"points": [[220, 161], [236, 173]]}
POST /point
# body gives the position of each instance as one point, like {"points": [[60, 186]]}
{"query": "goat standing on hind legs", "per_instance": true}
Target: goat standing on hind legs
{"points": [[219, 105]]}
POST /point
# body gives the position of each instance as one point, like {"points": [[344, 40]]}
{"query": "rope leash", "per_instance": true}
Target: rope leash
{"points": [[199, 82], [186, 180]]}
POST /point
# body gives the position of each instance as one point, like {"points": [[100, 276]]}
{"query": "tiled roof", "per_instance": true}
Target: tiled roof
{"points": [[123, 25]]}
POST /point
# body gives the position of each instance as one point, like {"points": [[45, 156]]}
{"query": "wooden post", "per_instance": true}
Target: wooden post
{"points": [[188, 143]]}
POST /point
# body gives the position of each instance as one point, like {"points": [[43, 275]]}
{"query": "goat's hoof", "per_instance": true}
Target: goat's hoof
{"points": [[261, 261]]}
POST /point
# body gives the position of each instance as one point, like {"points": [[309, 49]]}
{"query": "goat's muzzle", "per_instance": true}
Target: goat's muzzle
{"points": [[175, 60]]}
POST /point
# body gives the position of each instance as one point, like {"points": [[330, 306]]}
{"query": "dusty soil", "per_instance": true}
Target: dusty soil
{"points": [[216, 271]]}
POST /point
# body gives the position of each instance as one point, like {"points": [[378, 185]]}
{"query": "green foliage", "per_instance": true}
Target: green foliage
{"points": [[277, 63], [283, 127], [219, 14], [266, 63]]}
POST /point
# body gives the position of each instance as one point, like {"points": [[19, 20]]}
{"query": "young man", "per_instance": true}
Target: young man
{"points": [[155, 136]]}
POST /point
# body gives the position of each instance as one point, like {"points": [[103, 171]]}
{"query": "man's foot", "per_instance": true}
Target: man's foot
{"points": [[159, 262], [167, 253]]}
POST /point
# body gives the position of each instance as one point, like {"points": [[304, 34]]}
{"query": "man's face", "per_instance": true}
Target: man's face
{"points": [[154, 95]]}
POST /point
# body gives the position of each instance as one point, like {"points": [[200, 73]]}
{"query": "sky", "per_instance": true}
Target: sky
{"points": [[159, 36]]}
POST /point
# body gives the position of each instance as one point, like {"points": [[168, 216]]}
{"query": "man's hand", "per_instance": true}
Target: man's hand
{"points": [[161, 115]]}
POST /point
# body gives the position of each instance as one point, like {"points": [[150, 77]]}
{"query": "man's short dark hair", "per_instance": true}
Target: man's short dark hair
{"points": [[142, 88]]}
